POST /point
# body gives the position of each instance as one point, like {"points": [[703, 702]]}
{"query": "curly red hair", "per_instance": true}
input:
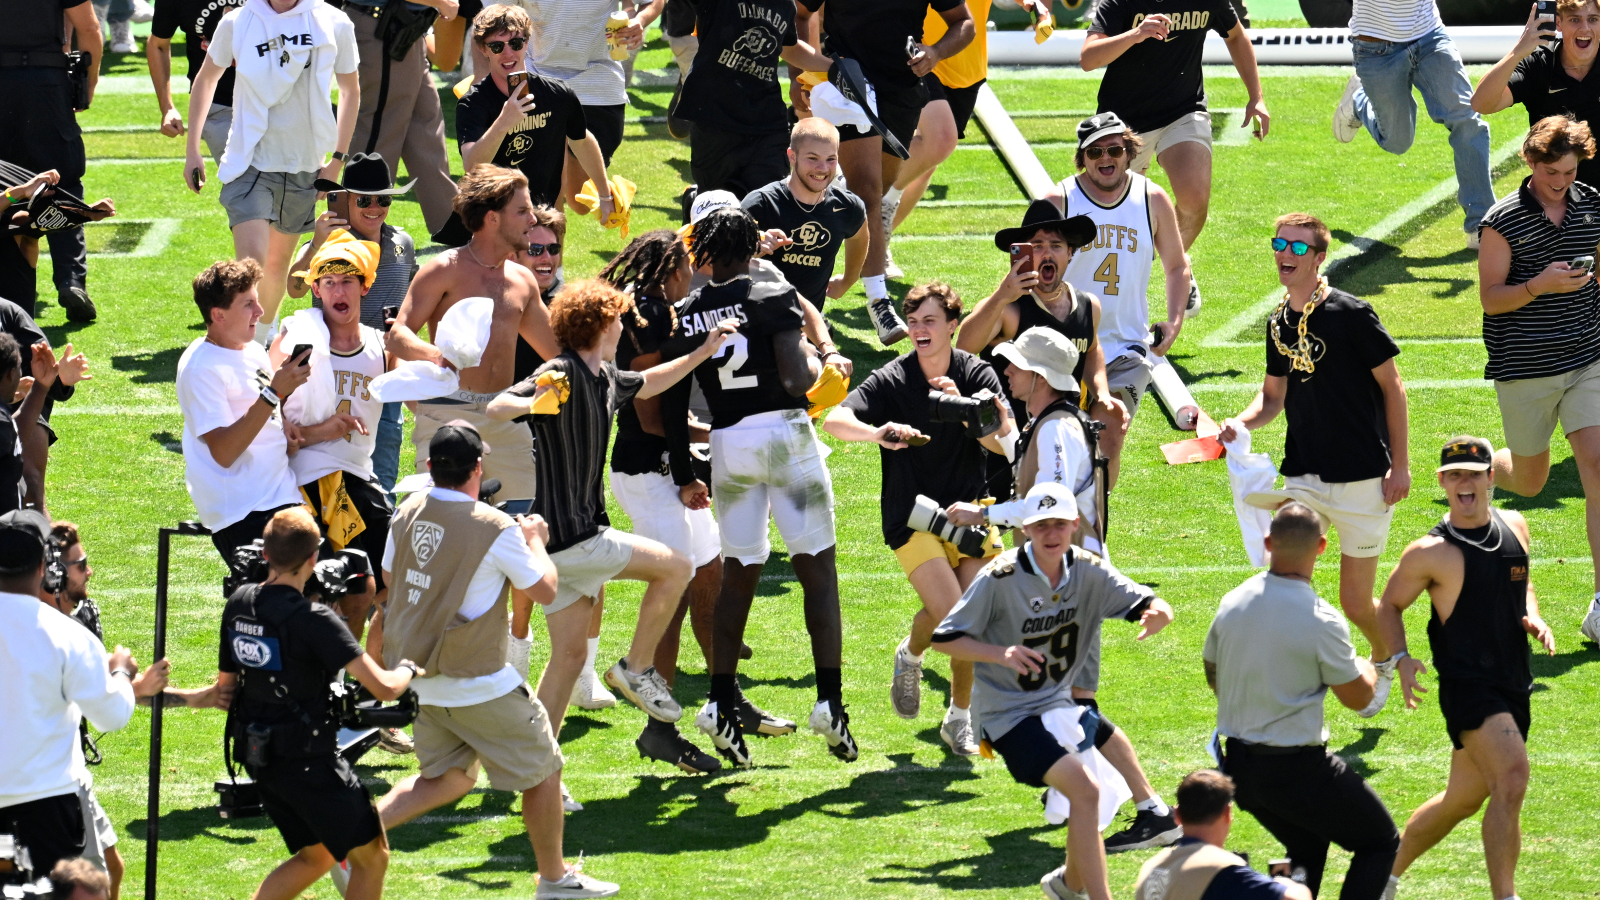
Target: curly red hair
{"points": [[585, 309]]}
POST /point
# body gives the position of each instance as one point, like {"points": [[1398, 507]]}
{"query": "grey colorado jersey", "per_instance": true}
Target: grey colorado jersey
{"points": [[1009, 603]]}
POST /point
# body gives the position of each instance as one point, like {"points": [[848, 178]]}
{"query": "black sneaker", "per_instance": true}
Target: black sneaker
{"points": [[75, 300], [755, 720], [724, 732], [1148, 830], [891, 328], [662, 742]]}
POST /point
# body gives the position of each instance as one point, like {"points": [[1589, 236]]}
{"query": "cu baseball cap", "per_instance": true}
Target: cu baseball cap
{"points": [[457, 446], [709, 202], [1096, 127], [1469, 453], [23, 533], [1048, 501]]}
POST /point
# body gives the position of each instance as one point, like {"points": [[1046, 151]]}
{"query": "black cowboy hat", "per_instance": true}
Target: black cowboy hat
{"points": [[1078, 231], [364, 173]]}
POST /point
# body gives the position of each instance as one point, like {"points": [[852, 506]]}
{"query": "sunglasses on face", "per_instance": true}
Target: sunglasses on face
{"points": [[365, 201], [79, 563], [542, 249], [1097, 152], [1298, 248], [499, 47]]}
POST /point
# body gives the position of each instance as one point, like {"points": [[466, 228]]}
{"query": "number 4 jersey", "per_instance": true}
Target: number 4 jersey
{"points": [[1116, 267], [742, 379], [1011, 603]]}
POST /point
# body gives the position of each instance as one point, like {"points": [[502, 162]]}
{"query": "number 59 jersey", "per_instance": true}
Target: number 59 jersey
{"points": [[1116, 267], [742, 379]]}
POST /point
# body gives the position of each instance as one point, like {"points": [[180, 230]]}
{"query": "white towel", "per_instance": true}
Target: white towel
{"points": [[1250, 473], [316, 400], [462, 335], [271, 50], [831, 106], [1066, 725]]}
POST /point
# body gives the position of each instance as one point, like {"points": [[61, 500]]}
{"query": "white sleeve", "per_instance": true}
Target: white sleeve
{"points": [[203, 399], [1063, 456], [346, 60], [388, 553], [512, 558], [106, 700], [220, 49]]}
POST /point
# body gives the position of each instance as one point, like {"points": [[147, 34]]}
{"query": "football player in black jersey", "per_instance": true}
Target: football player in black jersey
{"points": [[764, 460]]}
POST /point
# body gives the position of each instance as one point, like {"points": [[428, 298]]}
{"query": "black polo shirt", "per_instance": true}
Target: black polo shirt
{"points": [[1545, 89], [1554, 333]]}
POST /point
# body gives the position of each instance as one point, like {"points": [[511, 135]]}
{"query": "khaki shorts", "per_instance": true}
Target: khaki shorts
{"points": [[584, 567], [1195, 127], [924, 546], [99, 835], [1530, 407], [509, 735], [1128, 377], [1356, 510], [510, 456]]}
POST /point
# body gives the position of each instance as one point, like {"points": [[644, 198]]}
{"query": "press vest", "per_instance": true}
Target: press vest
{"points": [[438, 546], [1116, 267], [1182, 873]]}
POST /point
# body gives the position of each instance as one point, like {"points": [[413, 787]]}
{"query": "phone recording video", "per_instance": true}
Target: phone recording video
{"points": [[1022, 253]]}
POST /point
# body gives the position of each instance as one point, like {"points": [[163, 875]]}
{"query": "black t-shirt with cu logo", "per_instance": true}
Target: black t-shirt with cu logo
{"points": [[537, 146], [197, 19], [818, 232], [733, 84], [1155, 83]]}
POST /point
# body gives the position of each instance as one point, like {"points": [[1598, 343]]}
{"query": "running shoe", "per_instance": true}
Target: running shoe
{"points": [[905, 688], [755, 720], [1473, 242], [830, 720], [1346, 124], [957, 733], [662, 742], [575, 885], [1380, 691], [589, 693], [723, 729], [1148, 830], [1192, 307], [645, 690], [569, 803], [891, 328], [890, 270], [1591, 622], [1054, 885], [75, 300]]}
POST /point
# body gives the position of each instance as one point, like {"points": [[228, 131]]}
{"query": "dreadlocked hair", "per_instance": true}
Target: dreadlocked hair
{"points": [[643, 267], [726, 237]]}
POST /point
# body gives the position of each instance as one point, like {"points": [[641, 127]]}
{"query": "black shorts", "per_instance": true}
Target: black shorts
{"points": [[244, 531], [962, 101], [605, 123], [1105, 730], [51, 828], [318, 801], [898, 109], [1466, 705], [1030, 750], [372, 504], [741, 163]]}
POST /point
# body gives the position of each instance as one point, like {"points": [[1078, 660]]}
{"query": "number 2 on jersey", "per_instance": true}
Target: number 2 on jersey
{"points": [[737, 349], [1063, 647], [1107, 275]]}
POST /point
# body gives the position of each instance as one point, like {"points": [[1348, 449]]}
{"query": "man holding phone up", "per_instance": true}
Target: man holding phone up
{"points": [[1541, 317]]}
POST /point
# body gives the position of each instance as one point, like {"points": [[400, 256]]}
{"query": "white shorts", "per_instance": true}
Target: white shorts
{"points": [[1192, 127], [771, 462], [1355, 510], [651, 502], [582, 568], [99, 835]]}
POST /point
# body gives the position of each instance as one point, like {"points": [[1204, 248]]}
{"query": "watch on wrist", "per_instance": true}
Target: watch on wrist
{"points": [[124, 673], [270, 396], [338, 156]]}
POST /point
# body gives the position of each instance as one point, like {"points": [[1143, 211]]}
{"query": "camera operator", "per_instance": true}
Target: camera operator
{"points": [[235, 446], [926, 454], [54, 671], [283, 651]]}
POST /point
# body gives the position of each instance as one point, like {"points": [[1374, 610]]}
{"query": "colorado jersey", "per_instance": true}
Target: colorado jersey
{"points": [[742, 379], [352, 380], [1116, 267]]}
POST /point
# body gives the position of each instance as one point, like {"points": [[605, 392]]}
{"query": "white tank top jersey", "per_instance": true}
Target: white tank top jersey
{"points": [[1116, 267], [352, 377]]}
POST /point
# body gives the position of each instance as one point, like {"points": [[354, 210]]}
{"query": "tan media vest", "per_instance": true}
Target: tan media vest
{"points": [[1183, 873], [438, 546]]}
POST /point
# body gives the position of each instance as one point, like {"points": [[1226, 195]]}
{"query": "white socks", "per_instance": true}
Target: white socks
{"points": [[893, 195], [876, 286], [957, 714], [266, 331], [1155, 805], [905, 647], [593, 651]]}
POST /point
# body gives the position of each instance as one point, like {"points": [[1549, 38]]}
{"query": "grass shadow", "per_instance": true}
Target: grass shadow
{"points": [[1563, 484], [160, 367], [1354, 753], [204, 822], [1015, 860]]}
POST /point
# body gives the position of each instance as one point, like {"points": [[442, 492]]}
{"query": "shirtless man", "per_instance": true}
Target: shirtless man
{"points": [[495, 205]]}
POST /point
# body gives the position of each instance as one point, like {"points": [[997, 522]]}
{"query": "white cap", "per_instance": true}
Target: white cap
{"points": [[1046, 352], [1049, 500], [709, 202]]}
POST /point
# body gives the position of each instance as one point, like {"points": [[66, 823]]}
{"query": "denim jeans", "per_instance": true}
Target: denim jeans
{"points": [[115, 10], [1388, 109], [386, 451]]}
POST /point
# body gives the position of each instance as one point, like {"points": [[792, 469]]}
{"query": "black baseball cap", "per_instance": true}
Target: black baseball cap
{"points": [[23, 534], [457, 445], [1470, 453], [1096, 127]]}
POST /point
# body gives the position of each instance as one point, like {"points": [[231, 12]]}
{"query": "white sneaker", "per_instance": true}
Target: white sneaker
{"points": [[829, 719], [1591, 622], [1054, 885], [575, 884], [1380, 691], [568, 803], [722, 726], [1473, 241], [1192, 307], [122, 38], [142, 12], [645, 690], [589, 693], [890, 270], [1392, 888], [340, 876], [1346, 125]]}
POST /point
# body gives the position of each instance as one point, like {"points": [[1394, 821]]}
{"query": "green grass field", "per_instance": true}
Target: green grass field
{"points": [[907, 819]]}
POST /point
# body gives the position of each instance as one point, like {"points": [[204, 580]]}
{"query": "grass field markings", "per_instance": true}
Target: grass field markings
{"points": [[153, 242], [1210, 73], [141, 84], [1420, 384], [1346, 255], [135, 160]]}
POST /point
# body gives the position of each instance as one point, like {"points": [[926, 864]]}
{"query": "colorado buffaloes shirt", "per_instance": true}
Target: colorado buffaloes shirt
{"points": [[536, 146], [1155, 83], [818, 232], [733, 84], [742, 379]]}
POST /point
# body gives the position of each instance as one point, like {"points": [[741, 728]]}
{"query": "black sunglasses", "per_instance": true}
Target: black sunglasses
{"points": [[542, 249], [80, 563], [364, 201], [1298, 248], [1097, 152], [499, 47]]}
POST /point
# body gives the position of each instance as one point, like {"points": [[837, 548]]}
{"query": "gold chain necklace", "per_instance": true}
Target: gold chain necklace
{"points": [[1299, 357]]}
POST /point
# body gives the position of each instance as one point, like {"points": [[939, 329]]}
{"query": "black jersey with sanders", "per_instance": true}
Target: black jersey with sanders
{"points": [[734, 82], [818, 231], [636, 451], [1155, 83], [197, 19], [742, 379], [536, 146]]}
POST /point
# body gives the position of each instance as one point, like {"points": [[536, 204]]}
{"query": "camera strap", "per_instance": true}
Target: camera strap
{"points": [[1100, 463], [279, 692]]}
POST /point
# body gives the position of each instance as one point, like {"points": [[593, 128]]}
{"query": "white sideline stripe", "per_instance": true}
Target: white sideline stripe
{"points": [[1228, 332], [135, 161], [153, 243]]}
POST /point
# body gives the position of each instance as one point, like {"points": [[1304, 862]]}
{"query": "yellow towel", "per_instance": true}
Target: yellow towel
{"points": [[338, 511], [1043, 28], [622, 191], [830, 390], [549, 403]]}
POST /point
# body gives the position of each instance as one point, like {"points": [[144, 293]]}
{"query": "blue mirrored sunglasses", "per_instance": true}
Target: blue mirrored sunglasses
{"points": [[1298, 248]]}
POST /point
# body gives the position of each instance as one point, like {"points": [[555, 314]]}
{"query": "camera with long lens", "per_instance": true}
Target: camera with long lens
{"points": [[339, 574], [246, 565], [977, 413], [358, 709], [929, 516]]}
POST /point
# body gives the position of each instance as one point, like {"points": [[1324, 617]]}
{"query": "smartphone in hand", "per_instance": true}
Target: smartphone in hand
{"points": [[299, 350], [1020, 253], [517, 83], [1546, 10]]}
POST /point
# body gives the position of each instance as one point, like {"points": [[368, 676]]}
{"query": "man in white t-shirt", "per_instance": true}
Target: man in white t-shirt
{"points": [[335, 412], [235, 455], [1398, 45], [287, 54]]}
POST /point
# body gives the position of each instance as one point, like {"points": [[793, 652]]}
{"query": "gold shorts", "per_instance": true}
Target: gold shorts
{"points": [[924, 546]]}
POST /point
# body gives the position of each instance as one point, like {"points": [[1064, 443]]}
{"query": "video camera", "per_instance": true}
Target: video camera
{"points": [[335, 575], [17, 877], [929, 516], [978, 412]]}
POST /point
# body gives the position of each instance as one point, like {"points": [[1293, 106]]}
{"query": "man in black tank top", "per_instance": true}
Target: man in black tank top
{"points": [[1474, 566]]}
